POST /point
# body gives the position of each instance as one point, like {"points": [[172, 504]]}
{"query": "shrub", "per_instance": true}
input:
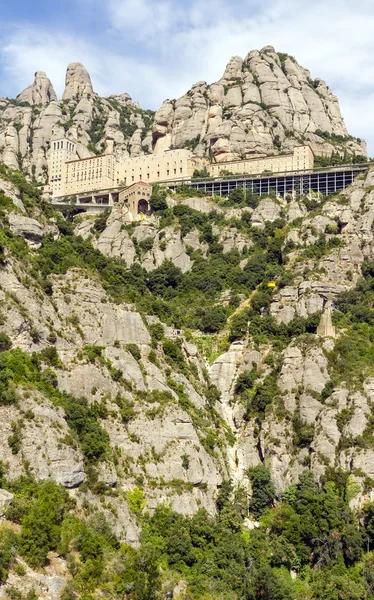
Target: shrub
{"points": [[136, 502], [157, 331], [5, 342], [134, 350], [41, 526], [173, 353], [100, 221]]}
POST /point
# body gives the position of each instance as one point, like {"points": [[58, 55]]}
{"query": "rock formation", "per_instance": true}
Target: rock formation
{"points": [[264, 104], [77, 82], [40, 92], [325, 327]]}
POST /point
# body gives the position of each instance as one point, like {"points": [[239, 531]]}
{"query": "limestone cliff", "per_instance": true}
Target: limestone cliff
{"points": [[266, 103]]}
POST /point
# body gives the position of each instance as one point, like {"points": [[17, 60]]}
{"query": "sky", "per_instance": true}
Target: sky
{"points": [[156, 49]]}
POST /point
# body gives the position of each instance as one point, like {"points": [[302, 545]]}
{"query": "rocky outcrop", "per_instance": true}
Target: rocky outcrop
{"points": [[266, 103], [6, 499], [30, 229], [40, 92], [77, 82]]}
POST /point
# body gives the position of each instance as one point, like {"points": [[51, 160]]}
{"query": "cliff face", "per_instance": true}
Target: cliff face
{"points": [[176, 412], [266, 104], [171, 414]]}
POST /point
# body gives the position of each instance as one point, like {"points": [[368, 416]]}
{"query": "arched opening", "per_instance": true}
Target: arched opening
{"points": [[143, 206]]}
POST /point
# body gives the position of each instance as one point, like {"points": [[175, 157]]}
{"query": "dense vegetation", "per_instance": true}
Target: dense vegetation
{"points": [[308, 545]]}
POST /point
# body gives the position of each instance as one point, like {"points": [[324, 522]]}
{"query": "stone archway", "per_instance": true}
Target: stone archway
{"points": [[143, 206]]}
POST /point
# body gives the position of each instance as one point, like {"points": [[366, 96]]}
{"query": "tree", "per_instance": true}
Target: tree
{"points": [[263, 491], [41, 527], [158, 198]]}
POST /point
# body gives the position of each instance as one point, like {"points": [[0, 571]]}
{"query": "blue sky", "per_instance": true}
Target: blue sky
{"points": [[156, 49]]}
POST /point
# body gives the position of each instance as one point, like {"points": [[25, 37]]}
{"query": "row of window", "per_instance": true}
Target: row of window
{"points": [[86, 164], [64, 144]]}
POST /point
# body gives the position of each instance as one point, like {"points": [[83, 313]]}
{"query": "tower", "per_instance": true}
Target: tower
{"points": [[62, 150]]}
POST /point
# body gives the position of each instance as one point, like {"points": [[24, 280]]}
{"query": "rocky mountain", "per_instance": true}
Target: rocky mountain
{"points": [[265, 104], [148, 364]]}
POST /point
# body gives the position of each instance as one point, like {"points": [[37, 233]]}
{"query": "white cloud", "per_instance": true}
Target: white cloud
{"points": [[155, 49]]}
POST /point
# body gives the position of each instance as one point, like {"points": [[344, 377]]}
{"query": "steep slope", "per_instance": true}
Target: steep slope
{"points": [[144, 364]]}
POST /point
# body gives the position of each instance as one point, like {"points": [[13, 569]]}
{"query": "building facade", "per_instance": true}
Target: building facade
{"points": [[94, 173], [301, 158], [61, 152], [70, 175], [136, 197], [172, 164]]}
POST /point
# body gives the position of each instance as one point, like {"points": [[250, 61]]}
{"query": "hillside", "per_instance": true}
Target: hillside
{"points": [[266, 103], [172, 426]]}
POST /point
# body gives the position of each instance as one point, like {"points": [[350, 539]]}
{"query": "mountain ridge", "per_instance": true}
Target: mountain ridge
{"points": [[264, 104]]}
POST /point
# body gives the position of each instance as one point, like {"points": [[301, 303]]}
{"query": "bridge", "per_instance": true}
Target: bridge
{"points": [[326, 181]]}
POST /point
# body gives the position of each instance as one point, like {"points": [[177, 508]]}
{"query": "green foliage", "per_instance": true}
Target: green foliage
{"points": [[136, 502], [5, 342], [191, 144], [157, 332], [41, 526], [147, 244], [303, 432], [17, 367], [322, 247], [8, 551], [263, 491], [200, 173], [353, 356], [134, 350], [81, 417], [173, 353], [101, 221], [127, 411], [158, 198]]}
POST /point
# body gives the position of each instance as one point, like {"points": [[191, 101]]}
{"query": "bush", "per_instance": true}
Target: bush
{"points": [[134, 350], [100, 221], [157, 331], [5, 342], [173, 353], [41, 526], [211, 318], [158, 199]]}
